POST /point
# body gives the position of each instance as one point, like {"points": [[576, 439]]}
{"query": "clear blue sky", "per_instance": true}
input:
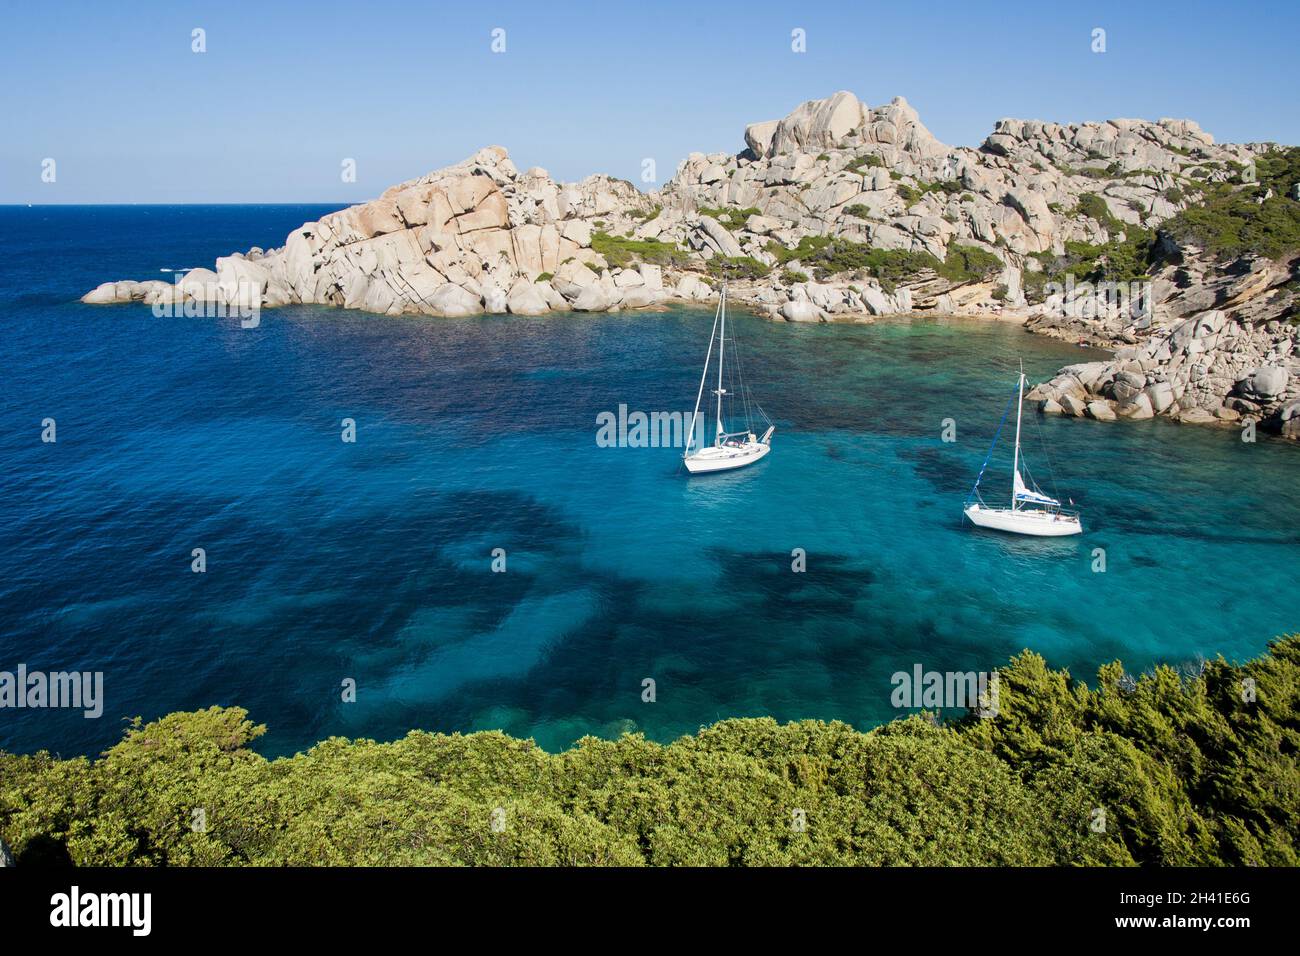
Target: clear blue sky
{"points": [[287, 90]]}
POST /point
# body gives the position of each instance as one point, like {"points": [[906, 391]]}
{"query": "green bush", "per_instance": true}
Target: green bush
{"points": [[729, 216], [909, 194], [737, 267], [871, 161], [1231, 220], [791, 276], [1187, 769], [968, 264], [621, 252], [1094, 206], [828, 256]]}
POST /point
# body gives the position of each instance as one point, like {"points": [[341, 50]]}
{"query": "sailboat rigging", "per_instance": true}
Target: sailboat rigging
{"points": [[730, 449], [1032, 512]]}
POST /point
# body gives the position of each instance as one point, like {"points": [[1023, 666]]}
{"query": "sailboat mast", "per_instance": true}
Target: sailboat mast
{"points": [[704, 376], [1015, 464], [722, 341]]}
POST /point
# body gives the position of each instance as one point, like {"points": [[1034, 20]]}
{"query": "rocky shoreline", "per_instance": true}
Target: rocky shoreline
{"points": [[837, 212]]}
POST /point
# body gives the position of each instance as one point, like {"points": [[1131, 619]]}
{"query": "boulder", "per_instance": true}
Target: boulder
{"points": [[1264, 384], [202, 285], [762, 225], [817, 124], [578, 231], [1138, 409], [1101, 411], [525, 298], [102, 294], [1160, 395], [1196, 416], [240, 281], [718, 237], [640, 297], [594, 298], [1073, 405], [691, 287], [453, 302], [758, 137], [800, 310], [552, 296], [494, 299], [1128, 385]]}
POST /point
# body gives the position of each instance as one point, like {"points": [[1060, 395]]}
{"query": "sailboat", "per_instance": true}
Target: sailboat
{"points": [[733, 449], [1031, 511]]}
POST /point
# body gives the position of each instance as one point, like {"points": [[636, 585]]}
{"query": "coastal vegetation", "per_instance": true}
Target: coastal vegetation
{"points": [[1176, 767], [620, 251], [737, 267], [1247, 215], [1243, 216], [828, 256], [729, 216], [870, 161]]}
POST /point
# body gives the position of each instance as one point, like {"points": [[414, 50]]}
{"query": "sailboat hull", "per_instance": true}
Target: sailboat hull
{"points": [[726, 457], [1030, 521]]}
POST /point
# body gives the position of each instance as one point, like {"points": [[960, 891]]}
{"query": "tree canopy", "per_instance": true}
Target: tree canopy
{"points": [[1169, 768]]}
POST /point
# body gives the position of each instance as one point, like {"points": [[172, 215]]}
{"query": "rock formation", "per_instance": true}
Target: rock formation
{"points": [[480, 236]]}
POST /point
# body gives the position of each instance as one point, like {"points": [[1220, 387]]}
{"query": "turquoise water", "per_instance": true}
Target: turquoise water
{"points": [[372, 560]]}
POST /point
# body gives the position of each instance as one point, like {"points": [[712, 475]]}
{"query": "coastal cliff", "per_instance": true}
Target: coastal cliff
{"points": [[1144, 237]]}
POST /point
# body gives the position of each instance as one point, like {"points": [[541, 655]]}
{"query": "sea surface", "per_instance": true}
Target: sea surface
{"points": [[372, 561]]}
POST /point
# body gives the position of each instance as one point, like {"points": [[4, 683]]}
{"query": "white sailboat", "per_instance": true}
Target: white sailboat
{"points": [[729, 449], [1031, 511]]}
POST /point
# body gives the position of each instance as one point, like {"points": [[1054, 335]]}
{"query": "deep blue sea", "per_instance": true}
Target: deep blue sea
{"points": [[371, 561]]}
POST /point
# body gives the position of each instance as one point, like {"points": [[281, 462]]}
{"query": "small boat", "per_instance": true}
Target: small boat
{"points": [[733, 449], [1031, 511]]}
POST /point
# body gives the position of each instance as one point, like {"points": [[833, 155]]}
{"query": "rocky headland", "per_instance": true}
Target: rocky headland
{"points": [[1147, 238]]}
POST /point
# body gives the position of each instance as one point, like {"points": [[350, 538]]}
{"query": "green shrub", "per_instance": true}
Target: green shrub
{"points": [[729, 216], [737, 267], [1187, 771], [968, 264], [621, 252], [871, 161], [1231, 220], [791, 276], [1094, 206]]}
